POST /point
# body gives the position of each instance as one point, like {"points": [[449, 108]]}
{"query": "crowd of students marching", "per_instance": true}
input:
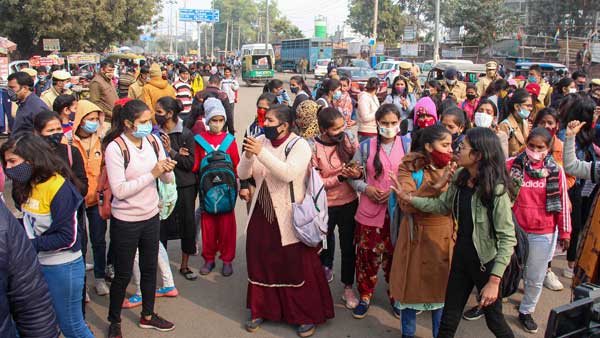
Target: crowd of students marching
{"points": [[430, 190]]}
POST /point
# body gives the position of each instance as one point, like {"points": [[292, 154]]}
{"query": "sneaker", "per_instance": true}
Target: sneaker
{"points": [[306, 330], [328, 274], [360, 311], [227, 270], [568, 272], [168, 291], [350, 298], [89, 267], [207, 268], [133, 301], [254, 324], [474, 313], [551, 282], [110, 273], [114, 330], [528, 323], [156, 322], [101, 287], [396, 311]]}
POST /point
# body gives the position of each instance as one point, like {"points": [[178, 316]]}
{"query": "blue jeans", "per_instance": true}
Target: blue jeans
{"points": [[65, 282], [409, 322], [98, 238]]}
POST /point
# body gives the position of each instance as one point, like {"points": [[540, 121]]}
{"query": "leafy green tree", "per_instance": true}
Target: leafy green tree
{"points": [[390, 23], [575, 16]]}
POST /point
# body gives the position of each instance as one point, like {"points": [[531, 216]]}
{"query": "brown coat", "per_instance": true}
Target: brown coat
{"points": [[421, 266], [103, 94], [517, 134]]}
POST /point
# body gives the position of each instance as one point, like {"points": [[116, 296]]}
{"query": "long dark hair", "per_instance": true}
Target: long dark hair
{"points": [[372, 84], [582, 110], [130, 111], [384, 109], [275, 83], [42, 118], [491, 167], [301, 83], [421, 137], [172, 105], [326, 117], [327, 86], [519, 97], [394, 91], [34, 150]]}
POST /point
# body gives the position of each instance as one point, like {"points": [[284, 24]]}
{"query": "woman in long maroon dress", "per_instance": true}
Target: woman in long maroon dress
{"points": [[285, 279]]}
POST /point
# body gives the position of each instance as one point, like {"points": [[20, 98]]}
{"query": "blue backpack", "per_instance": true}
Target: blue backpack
{"points": [[218, 185]]}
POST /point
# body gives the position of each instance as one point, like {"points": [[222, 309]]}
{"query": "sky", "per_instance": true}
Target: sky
{"points": [[301, 13]]}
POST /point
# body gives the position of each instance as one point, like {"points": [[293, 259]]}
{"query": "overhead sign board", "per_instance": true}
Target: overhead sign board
{"points": [[199, 15], [410, 33], [51, 45]]}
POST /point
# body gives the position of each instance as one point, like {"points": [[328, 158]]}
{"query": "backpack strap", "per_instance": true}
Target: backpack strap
{"points": [[511, 130], [365, 150], [226, 143], [203, 143], [288, 149], [124, 150], [154, 144], [70, 154]]}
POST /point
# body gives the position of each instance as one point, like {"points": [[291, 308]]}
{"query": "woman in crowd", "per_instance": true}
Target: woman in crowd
{"points": [[306, 119], [333, 150], [516, 124], [542, 210], [455, 121], [345, 104], [425, 113], [435, 91], [424, 246], [66, 106], [134, 222], [486, 116], [368, 104], [329, 91], [179, 144], [497, 92], [298, 296], [479, 258], [469, 105], [401, 98], [562, 88], [380, 156], [43, 188], [275, 86], [299, 88]]}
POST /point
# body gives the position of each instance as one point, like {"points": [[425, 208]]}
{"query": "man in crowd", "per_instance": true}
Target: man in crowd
{"points": [[102, 91], [491, 75], [183, 90], [584, 58], [59, 80], [157, 87], [453, 86], [42, 81], [535, 76], [20, 90], [136, 89], [230, 86], [214, 88], [580, 80], [125, 80]]}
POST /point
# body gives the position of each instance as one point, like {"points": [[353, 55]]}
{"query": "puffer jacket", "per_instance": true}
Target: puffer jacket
{"points": [[92, 157], [24, 295], [155, 89]]}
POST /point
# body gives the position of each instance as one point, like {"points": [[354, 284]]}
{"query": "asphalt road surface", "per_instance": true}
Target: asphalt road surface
{"points": [[215, 306]]}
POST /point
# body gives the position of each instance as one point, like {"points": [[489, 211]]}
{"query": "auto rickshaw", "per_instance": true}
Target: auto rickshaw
{"points": [[257, 69]]}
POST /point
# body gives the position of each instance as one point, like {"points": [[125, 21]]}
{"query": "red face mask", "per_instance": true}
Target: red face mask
{"points": [[425, 123], [439, 159], [260, 112], [552, 131]]}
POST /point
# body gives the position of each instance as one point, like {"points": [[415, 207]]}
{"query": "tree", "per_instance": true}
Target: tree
{"points": [[575, 16], [391, 20]]}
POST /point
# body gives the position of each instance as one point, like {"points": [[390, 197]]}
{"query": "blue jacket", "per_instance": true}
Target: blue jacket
{"points": [[27, 110], [25, 303]]}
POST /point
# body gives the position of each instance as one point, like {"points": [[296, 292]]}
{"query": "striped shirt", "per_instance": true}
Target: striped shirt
{"points": [[183, 92]]}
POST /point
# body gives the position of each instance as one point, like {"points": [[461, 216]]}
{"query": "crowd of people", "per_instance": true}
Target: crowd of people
{"points": [[431, 185]]}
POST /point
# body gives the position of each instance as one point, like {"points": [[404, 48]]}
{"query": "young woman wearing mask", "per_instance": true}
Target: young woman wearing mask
{"points": [[401, 98], [421, 266], [66, 106], [479, 259], [516, 124], [455, 121], [333, 150], [43, 189], [275, 86], [368, 104], [425, 113], [329, 91], [486, 116], [286, 281], [380, 156], [345, 104], [562, 88], [134, 223], [471, 102], [299, 88], [542, 210]]}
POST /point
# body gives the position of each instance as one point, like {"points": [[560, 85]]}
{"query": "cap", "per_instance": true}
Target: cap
{"points": [[533, 89], [595, 82], [61, 75], [491, 65], [213, 107], [451, 73], [30, 71]]}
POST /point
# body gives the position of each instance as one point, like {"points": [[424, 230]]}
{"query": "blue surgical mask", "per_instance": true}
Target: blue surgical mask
{"points": [[524, 113], [337, 95], [532, 79], [142, 130], [90, 126]]}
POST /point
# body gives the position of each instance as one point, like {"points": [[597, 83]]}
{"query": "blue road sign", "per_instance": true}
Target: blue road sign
{"points": [[199, 15]]}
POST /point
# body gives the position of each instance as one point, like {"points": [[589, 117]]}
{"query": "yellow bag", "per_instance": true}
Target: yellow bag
{"points": [[197, 84]]}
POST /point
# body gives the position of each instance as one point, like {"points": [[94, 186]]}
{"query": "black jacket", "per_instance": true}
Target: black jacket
{"points": [[77, 166], [24, 295], [182, 137]]}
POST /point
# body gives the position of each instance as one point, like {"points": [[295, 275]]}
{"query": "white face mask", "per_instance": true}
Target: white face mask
{"points": [[572, 90], [451, 82], [216, 127], [388, 132], [483, 120]]}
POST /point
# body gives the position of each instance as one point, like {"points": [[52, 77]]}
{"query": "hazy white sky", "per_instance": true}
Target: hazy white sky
{"points": [[302, 13]]}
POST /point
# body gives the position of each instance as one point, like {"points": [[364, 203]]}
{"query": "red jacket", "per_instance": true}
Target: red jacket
{"points": [[215, 140], [530, 206]]}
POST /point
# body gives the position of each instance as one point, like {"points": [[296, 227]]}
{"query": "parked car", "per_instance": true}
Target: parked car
{"points": [[467, 72], [358, 79], [388, 70], [321, 68]]}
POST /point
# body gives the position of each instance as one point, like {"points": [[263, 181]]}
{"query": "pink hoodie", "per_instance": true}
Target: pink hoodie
{"points": [[427, 106]]}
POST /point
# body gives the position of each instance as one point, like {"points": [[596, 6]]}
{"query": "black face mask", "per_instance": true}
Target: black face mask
{"points": [[271, 132], [426, 92], [160, 119], [54, 139], [338, 138], [580, 87], [471, 97]]}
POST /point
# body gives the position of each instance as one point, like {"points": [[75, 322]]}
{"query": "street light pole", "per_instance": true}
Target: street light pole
{"points": [[375, 22], [436, 36], [267, 32]]}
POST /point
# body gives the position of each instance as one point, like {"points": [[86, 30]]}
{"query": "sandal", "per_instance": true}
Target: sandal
{"points": [[188, 274]]}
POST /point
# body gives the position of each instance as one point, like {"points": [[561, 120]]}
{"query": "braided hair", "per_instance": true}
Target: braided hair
{"points": [[383, 110]]}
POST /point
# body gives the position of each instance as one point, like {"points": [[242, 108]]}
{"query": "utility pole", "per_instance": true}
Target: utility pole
{"points": [[170, 27], [185, 44], [239, 35], [226, 37], [436, 36], [231, 38], [176, 32], [212, 33], [375, 22], [267, 32], [199, 41]]}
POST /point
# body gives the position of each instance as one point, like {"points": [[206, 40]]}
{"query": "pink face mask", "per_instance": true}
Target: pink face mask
{"points": [[2, 179], [536, 156]]}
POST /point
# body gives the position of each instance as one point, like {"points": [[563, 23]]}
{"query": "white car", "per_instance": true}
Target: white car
{"points": [[388, 70], [321, 68]]}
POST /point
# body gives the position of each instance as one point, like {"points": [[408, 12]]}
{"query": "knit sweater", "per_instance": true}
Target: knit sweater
{"points": [[578, 168], [271, 166], [135, 194], [367, 106]]}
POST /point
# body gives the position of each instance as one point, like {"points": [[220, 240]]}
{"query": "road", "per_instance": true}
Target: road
{"points": [[215, 306]]}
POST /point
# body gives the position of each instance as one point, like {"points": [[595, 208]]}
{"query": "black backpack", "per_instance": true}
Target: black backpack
{"points": [[514, 270]]}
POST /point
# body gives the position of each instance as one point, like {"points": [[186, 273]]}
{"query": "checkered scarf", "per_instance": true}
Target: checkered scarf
{"points": [[549, 171]]}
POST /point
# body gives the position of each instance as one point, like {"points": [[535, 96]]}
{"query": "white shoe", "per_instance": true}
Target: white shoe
{"points": [[101, 287], [551, 282], [89, 267], [568, 272], [87, 297]]}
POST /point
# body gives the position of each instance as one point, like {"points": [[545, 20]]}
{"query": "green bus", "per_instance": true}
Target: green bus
{"points": [[257, 63]]}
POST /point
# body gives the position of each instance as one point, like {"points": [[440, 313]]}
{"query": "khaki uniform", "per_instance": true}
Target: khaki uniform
{"points": [[49, 95], [459, 90]]}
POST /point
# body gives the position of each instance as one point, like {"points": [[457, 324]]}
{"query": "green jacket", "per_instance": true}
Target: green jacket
{"points": [[488, 248]]}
